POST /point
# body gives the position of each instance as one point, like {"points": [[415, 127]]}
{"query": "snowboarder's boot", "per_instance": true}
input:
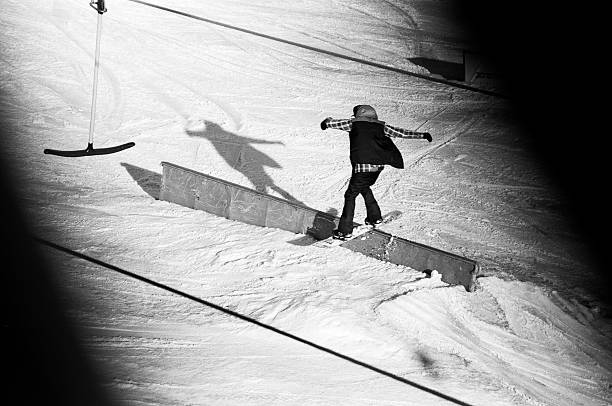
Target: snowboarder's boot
{"points": [[338, 235], [372, 223]]}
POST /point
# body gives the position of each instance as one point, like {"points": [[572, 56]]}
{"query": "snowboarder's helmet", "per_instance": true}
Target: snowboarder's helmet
{"points": [[364, 111]]}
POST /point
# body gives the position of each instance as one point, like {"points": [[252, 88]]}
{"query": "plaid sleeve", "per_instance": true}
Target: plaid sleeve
{"points": [[340, 124], [393, 132]]}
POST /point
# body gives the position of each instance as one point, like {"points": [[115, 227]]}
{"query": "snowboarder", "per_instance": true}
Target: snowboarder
{"points": [[371, 148]]}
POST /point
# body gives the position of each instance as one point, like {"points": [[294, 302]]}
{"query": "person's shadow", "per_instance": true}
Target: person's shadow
{"points": [[237, 151]]}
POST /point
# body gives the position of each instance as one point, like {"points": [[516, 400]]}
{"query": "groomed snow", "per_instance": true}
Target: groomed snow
{"points": [[246, 109]]}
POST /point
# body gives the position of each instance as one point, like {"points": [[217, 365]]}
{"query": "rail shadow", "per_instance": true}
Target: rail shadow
{"points": [[148, 180], [448, 70]]}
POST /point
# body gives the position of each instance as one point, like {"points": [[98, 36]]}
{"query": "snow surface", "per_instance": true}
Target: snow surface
{"points": [[246, 109]]}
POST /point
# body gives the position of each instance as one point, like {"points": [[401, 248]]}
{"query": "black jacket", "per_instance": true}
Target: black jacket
{"points": [[370, 145]]}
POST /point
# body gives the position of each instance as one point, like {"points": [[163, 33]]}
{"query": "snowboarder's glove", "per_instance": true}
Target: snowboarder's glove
{"points": [[324, 123], [427, 136]]}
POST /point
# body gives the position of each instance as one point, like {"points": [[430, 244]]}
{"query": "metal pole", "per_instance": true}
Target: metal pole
{"points": [[92, 121], [99, 7]]}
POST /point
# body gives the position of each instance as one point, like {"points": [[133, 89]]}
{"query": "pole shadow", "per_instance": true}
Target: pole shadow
{"points": [[149, 181], [249, 320], [238, 152]]}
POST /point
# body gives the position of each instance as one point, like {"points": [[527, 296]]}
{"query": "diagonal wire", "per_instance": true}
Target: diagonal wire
{"points": [[250, 320], [331, 53]]}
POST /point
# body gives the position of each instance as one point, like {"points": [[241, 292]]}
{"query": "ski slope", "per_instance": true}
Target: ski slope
{"points": [[246, 109]]}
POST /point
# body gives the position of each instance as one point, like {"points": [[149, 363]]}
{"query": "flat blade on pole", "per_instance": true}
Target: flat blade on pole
{"points": [[90, 150]]}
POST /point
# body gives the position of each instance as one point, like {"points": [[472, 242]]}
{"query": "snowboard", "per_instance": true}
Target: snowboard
{"points": [[357, 231]]}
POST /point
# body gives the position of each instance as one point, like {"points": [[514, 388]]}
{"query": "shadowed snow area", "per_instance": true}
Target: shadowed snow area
{"points": [[246, 109]]}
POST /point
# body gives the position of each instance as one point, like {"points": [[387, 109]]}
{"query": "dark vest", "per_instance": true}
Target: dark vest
{"points": [[370, 145]]}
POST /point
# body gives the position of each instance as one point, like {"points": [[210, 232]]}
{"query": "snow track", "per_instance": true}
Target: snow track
{"points": [[330, 53], [468, 334], [195, 94]]}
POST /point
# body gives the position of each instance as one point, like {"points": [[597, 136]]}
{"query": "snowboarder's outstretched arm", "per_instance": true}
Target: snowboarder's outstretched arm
{"points": [[390, 131], [394, 132], [337, 124]]}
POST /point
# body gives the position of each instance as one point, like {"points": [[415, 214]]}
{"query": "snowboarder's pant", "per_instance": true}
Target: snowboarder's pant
{"points": [[359, 184]]}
